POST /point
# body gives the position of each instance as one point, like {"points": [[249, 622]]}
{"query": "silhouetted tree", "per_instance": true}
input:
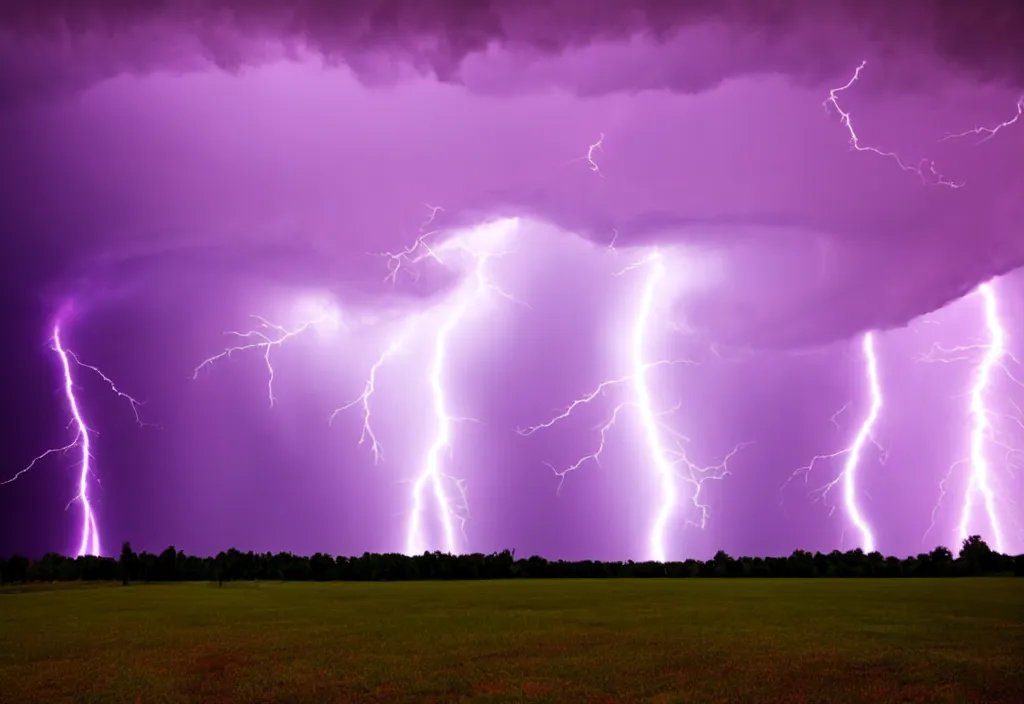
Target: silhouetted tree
{"points": [[147, 566], [940, 561], [166, 565], [976, 556], [722, 564], [221, 563], [802, 564], [17, 569], [127, 563]]}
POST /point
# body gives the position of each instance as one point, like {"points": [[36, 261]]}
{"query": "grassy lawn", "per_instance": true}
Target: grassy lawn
{"points": [[730, 640]]}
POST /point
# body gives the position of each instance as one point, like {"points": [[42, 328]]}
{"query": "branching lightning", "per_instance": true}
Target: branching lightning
{"points": [[89, 542], [451, 503], [266, 336], [417, 251], [980, 482], [453, 510], [990, 132], [591, 156], [853, 453], [925, 169], [668, 464], [984, 427], [367, 433]]}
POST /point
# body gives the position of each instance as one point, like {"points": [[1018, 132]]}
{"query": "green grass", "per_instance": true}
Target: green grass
{"points": [[750, 641]]}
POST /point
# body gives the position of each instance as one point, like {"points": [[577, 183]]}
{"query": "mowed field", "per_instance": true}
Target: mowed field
{"points": [[708, 640]]}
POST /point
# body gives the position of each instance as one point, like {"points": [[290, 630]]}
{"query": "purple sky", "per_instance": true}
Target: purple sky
{"points": [[169, 172]]}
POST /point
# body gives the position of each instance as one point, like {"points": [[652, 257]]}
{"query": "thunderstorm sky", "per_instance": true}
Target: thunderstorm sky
{"points": [[606, 280]]}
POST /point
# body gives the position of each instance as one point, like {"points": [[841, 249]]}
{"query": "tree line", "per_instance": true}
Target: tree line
{"points": [[974, 558]]}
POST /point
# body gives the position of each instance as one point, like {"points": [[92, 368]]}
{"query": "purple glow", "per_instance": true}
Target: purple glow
{"points": [[991, 458], [268, 335], [867, 536], [709, 259], [451, 509], [923, 164], [90, 541], [667, 465], [89, 536], [366, 433], [991, 132], [660, 463], [980, 483], [854, 451]]}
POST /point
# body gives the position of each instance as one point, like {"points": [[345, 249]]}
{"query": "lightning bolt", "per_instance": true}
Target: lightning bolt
{"points": [[595, 147], [990, 132], [663, 466], [417, 251], [984, 428], [611, 243], [853, 453], [89, 542], [451, 510], [367, 433], [266, 337], [669, 465], [925, 168]]}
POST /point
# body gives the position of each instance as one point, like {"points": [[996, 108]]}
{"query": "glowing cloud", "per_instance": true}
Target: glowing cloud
{"points": [[363, 401], [480, 245], [268, 336], [669, 465]]}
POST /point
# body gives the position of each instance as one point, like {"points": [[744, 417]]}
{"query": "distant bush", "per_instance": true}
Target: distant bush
{"points": [[975, 558]]}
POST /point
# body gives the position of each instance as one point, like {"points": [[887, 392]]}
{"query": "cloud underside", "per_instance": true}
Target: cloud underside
{"points": [[859, 275], [66, 44]]}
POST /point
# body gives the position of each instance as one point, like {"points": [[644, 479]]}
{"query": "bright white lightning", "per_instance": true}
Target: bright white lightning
{"points": [[89, 542], [441, 446], [867, 537], [662, 466], [854, 452], [981, 431], [924, 168], [450, 510], [984, 433], [669, 465]]}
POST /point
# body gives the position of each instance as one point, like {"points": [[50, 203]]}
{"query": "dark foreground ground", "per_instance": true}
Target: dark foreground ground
{"points": [[729, 640]]}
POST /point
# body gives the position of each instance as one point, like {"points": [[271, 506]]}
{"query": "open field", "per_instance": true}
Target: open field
{"points": [[710, 640]]}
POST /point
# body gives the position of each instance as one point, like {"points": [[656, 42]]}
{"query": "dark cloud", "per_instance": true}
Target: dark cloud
{"points": [[56, 45], [109, 176]]}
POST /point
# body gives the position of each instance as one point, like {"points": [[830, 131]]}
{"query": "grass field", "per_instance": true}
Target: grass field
{"points": [[729, 640]]}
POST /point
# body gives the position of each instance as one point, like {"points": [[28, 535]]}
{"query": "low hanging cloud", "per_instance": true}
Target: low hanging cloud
{"points": [[55, 45], [714, 137]]}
